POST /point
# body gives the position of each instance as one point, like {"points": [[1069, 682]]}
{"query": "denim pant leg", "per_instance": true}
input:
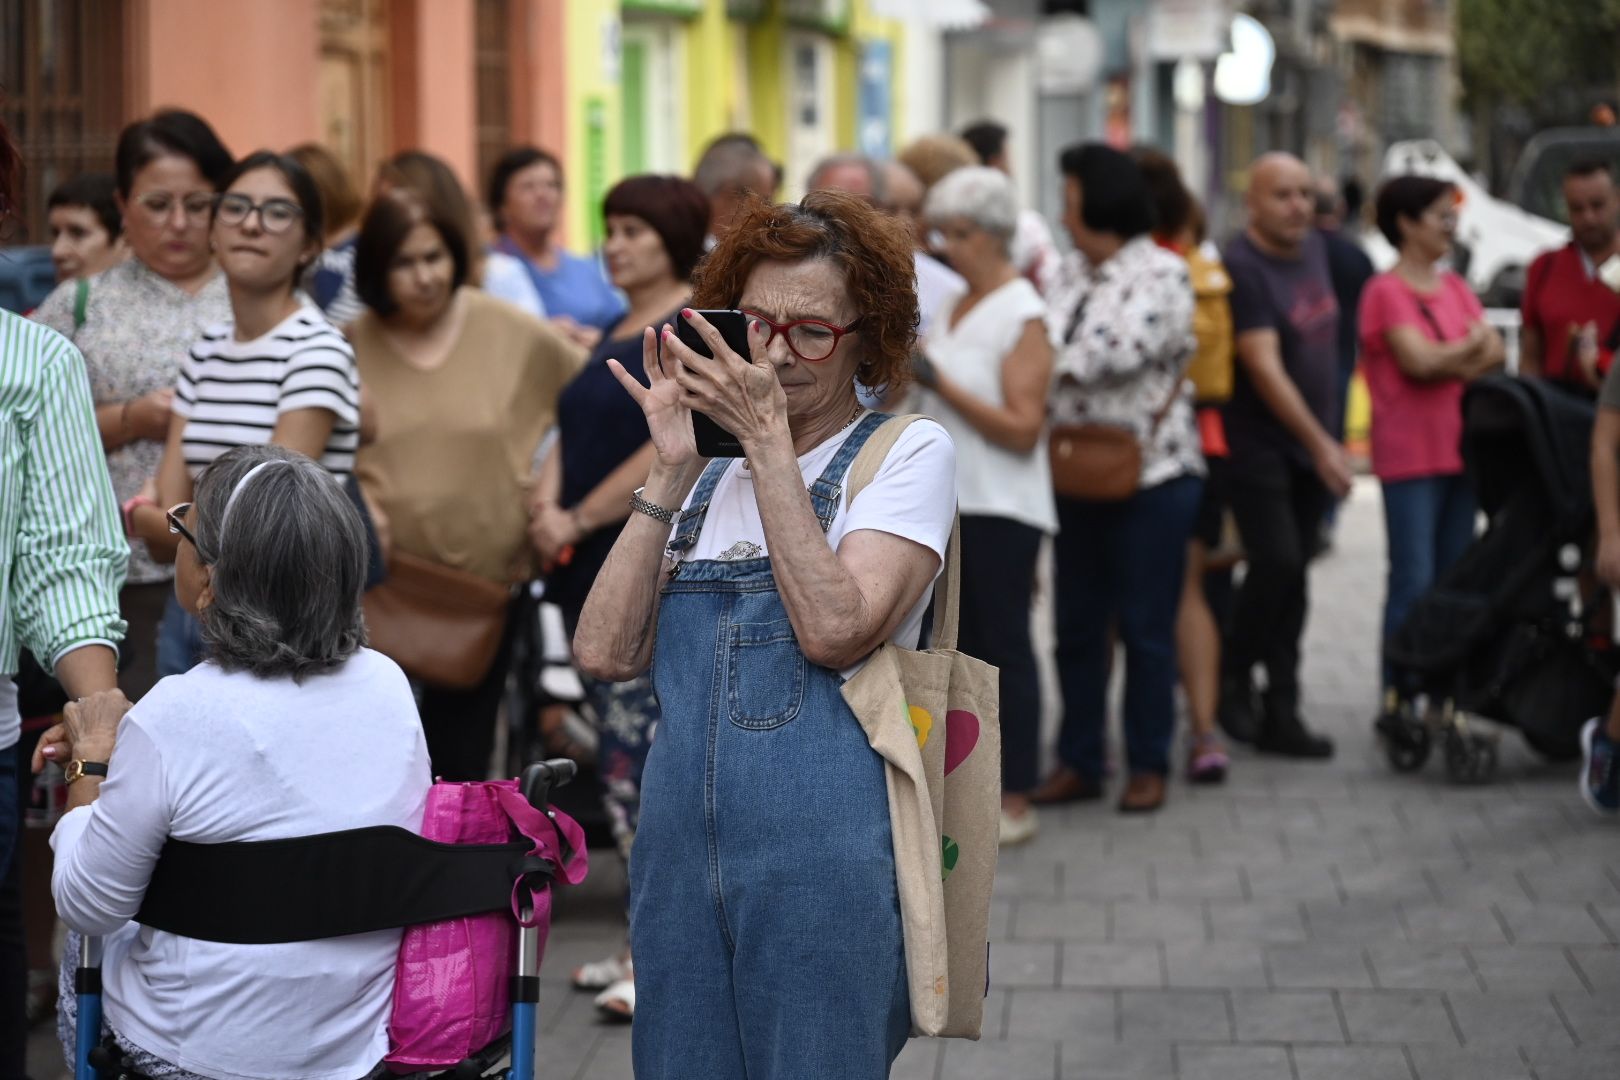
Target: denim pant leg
{"points": [[1411, 524], [1150, 555], [1084, 591], [1458, 519], [180, 646]]}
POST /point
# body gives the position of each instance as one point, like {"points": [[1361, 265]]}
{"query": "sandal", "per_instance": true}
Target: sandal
{"points": [[617, 1004], [602, 974], [1207, 763]]}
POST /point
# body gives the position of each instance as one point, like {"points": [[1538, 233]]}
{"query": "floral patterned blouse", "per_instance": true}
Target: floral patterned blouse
{"points": [[138, 328], [1126, 353]]}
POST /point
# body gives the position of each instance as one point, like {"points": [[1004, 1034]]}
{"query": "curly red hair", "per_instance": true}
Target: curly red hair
{"points": [[871, 249]]}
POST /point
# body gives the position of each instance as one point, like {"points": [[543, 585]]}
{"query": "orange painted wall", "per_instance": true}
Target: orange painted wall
{"points": [[249, 69], [435, 99]]}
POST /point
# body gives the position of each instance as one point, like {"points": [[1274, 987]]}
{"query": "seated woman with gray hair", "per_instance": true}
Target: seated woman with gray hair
{"points": [[984, 370], [289, 727]]}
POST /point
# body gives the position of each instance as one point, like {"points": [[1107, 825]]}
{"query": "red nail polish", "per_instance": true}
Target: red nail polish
{"points": [[686, 312]]}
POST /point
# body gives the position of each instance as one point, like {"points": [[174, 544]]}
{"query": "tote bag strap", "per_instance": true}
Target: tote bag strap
{"points": [[948, 588]]}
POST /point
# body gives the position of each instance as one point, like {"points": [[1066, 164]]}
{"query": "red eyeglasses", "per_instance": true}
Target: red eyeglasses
{"points": [[811, 340]]}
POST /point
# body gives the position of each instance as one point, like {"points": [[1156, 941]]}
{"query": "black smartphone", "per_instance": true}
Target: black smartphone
{"points": [[712, 439]]}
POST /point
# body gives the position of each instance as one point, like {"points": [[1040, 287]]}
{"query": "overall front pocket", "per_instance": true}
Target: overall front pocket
{"points": [[767, 674]]}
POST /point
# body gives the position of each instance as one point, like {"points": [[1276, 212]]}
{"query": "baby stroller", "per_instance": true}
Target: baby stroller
{"points": [[1515, 631], [343, 883]]}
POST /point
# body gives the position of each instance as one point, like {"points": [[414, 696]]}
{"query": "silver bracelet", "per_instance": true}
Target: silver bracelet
{"points": [[651, 509]]}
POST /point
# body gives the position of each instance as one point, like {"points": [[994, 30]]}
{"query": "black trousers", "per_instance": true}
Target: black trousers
{"points": [[460, 724], [1278, 506], [998, 583]]}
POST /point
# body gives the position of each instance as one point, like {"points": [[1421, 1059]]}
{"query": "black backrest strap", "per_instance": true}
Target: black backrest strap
{"points": [[329, 885]]}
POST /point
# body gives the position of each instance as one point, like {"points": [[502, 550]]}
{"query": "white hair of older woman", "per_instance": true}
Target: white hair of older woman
{"points": [[979, 194]]}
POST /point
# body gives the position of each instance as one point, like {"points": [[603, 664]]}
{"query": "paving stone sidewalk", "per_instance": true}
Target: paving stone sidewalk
{"points": [[1304, 922]]}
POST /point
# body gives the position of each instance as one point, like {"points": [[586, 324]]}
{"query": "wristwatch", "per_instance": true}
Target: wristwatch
{"points": [[79, 767], [639, 504]]}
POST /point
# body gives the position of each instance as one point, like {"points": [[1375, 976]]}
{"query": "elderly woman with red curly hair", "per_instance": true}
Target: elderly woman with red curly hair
{"points": [[763, 912]]}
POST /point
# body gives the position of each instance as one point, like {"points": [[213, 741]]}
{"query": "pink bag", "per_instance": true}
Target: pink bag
{"points": [[450, 993]]}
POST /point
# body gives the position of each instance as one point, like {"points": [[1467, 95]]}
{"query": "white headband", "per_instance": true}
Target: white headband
{"points": [[242, 483]]}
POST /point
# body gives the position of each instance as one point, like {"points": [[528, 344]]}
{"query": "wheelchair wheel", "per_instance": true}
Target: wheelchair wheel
{"points": [[1470, 759], [1407, 742]]}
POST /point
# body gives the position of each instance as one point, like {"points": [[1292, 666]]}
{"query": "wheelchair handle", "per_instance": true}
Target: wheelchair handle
{"points": [[540, 777]]}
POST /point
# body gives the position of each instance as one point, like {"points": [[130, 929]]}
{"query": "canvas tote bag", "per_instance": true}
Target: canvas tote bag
{"points": [[934, 716]]}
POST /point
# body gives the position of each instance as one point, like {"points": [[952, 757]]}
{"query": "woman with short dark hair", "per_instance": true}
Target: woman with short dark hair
{"points": [[1122, 323], [134, 324], [764, 907], [464, 388], [1423, 336], [525, 197], [291, 727], [87, 227], [655, 230]]}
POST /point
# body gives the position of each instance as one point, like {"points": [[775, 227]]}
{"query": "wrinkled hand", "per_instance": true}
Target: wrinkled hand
{"points": [[744, 396], [668, 421], [1332, 463], [149, 414], [87, 730], [1608, 561], [586, 337]]}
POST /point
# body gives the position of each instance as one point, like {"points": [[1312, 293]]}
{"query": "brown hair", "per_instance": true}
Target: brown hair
{"points": [[436, 183], [338, 193], [389, 221], [933, 157], [871, 249]]}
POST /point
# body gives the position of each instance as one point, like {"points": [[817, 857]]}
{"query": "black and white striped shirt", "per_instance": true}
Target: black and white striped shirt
{"points": [[232, 392]]}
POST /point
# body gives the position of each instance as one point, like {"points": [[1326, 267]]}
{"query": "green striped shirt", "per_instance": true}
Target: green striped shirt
{"points": [[62, 548]]}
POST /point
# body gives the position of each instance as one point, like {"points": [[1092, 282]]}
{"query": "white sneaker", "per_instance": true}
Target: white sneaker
{"points": [[1019, 830], [601, 974]]}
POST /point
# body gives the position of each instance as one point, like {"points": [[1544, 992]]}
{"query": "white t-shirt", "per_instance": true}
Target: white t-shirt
{"points": [[233, 392], [506, 278], [213, 757], [913, 495], [937, 288], [990, 480]]}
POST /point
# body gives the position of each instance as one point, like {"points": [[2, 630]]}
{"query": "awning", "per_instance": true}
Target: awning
{"points": [[945, 14]]}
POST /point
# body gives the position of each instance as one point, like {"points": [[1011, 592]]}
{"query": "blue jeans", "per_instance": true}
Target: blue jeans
{"points": [[764, 913], [180, 644], [1429, 523], [1118, 566]]}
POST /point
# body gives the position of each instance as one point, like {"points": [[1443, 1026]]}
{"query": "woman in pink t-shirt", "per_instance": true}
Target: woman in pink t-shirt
{"points": [[1423, 336]]}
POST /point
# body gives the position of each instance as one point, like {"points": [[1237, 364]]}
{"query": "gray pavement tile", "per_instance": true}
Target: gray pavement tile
{"points": [[1509, 1020], [1397, 1016], [1001, 917], [1478, 885], [1351, 1063], [1571, 1064], [1526, 969], [1098, 1060], [1216, 964], [1160, 843], [918, 1061], [1552, 924], [1569, 881], [1023, 963], [1028, 878], [1101, 879], [1062, 1014], [1292, 881], [1453, 923], [1218, 844], [1081, 920], [1361, 920], [1601, 966], [994, 1024], [1174, 1016], [1112, 964], [1438, 1063], [1422, 967], [1596, 1020], [1326, 967], [1365, 879], [1015, 1059], [1258, 920], [1196, 881], [610, 1058], [1164, 920], [1233, 1062], [1286, 1016]]}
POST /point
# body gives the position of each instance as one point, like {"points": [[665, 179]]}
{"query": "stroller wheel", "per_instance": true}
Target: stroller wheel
{"points": [[1407, 742], [1470, 759]]}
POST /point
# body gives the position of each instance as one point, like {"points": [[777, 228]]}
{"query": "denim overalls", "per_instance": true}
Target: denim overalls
{"points": [[764, 918]]}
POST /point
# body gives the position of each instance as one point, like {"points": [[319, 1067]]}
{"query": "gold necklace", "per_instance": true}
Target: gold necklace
{"points": [[854, 416]]}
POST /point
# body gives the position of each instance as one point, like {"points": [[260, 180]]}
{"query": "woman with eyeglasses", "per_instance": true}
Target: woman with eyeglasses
{"points": [[134, 325], [274, 371]]}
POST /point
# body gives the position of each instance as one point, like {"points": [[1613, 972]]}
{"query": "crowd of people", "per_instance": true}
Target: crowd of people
{"points": [[332, 419]]}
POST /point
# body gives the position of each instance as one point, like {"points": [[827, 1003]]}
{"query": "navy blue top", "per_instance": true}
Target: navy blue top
{"points": [[600, 426]]}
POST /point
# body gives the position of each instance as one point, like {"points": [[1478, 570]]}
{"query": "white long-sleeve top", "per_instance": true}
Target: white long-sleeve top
{"points": [[214, 757]]}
